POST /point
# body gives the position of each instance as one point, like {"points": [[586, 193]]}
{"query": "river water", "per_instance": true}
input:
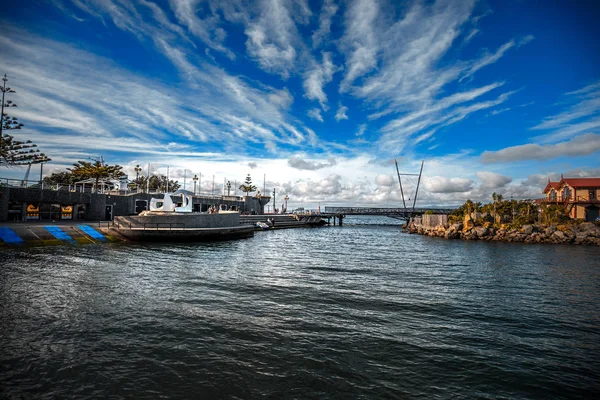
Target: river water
{"points": [[359, 311]]}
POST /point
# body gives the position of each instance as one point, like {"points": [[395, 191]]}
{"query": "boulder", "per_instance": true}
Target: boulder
{"points": [[527, 229], [470, 235], [457, 227], [559, 236], [468, 223], [481, 231], [590, 229]]}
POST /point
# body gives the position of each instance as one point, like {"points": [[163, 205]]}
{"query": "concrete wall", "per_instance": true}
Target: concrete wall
{"points": [[188, 220], [4, 193], [431, 220]]}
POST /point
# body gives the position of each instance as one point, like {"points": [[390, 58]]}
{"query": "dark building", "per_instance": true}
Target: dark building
{"points": [[26, 204]]}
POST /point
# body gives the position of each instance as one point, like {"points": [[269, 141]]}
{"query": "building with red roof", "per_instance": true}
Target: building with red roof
{"points": [[580, 196]]}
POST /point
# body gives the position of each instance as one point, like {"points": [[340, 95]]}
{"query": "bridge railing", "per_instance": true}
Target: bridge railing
{"points": [[383, 210]]}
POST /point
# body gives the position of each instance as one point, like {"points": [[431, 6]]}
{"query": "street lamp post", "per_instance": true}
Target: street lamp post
{"points": [[286, 198], [274, 202], [195, 179], [228, 187]]}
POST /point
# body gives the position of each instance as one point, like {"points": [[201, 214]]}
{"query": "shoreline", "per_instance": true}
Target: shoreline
{"points": [[586, 233]]}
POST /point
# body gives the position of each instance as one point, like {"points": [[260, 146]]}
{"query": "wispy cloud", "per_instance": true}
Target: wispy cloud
{"points": [[361, 129], [488, 58], [207, 29], [341, 113], [317, 78], [360, 42], [273, 39], [581, 115], [396, 67], [94, 96], [315, 113], [328, 10]]}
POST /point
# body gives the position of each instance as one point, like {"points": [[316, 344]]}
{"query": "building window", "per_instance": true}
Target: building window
{"points": [[592, 194]]}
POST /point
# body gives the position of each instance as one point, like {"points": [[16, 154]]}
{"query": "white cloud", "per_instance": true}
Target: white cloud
{"points": [[273, 37], [341, 113], [205, 29], [298, 162], [361, 129], [315, 113], [384, 180], [360, 42], [327, 12], [492, 180], [579, 146], [317, 78], [398, 66], [442, 184]]}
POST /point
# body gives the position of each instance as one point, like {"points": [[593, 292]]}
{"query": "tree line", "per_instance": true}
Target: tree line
{"points": [[99, 170], [512, 212]]}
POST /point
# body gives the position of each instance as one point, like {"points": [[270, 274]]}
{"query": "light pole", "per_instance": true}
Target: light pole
{"points": [[274, 203], [137, 170], [286, 198], [228, 187], [195, 179]]}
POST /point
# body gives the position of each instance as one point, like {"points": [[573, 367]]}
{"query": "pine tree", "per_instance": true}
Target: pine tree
{"points": [[13, 151], [247, 187]]}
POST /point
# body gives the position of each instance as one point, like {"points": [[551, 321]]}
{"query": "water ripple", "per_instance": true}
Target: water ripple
{"points": [[361, 311]]}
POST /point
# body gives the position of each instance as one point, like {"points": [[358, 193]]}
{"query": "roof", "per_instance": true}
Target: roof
{"points": [[582, 182], [551, 185]]}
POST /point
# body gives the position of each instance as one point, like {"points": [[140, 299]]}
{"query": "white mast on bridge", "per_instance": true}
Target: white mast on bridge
{"points": [[418, 182]]}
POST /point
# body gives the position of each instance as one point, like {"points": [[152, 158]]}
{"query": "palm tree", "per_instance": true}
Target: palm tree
{"points": [[96, 170]]}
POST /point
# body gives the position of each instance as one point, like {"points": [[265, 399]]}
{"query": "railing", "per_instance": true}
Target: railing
{"points": [[382, 211], [71, 187], [579, 199], [151, 225]]}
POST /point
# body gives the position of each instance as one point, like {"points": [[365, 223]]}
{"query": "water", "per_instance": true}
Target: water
{"points": [[362, 311]]}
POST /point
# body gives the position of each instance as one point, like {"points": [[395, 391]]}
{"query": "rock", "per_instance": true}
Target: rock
{"points": [[581, 238], [590, 229], [470, 235], [560, 236], [550, 230], [527, 229], [468, 223], [457, 227], [481, 231]]}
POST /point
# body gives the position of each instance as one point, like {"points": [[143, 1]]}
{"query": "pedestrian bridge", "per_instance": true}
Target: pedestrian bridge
{"points": [[400, 213]]}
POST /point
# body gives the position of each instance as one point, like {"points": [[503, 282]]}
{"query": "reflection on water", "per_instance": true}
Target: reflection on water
{"points": [[358, 311]]}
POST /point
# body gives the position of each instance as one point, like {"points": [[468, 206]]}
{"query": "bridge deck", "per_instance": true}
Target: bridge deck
{"points": [[382, 211]]}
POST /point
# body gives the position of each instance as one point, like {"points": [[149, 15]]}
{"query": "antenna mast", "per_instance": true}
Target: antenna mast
{"points": [[418, 182], [400, 182]]}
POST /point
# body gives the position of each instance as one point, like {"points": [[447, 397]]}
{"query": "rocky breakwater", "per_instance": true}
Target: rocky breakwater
{"points": [[585, 233]]}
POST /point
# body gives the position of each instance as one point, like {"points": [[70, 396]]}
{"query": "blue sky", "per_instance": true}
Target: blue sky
{"points": [[319, 97]]}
